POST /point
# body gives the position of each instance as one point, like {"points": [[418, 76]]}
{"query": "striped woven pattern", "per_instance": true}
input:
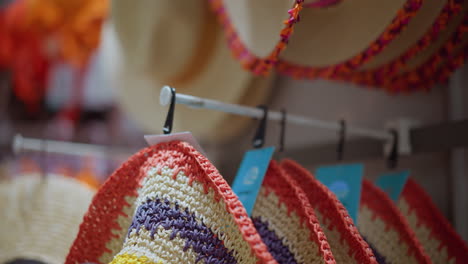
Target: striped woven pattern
{"points": [[167, 204], [287, 223], [438, 238], [386, 230], [346, 243]]}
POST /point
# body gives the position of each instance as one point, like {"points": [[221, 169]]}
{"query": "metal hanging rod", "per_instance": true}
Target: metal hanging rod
{"points": [[197, 102], [21, 144]]}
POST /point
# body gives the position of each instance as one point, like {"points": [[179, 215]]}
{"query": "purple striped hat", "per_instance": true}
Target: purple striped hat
{"points": [[167, 204]]}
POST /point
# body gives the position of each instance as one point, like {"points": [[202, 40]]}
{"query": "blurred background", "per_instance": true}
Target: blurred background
{"points": [[82, 72]]}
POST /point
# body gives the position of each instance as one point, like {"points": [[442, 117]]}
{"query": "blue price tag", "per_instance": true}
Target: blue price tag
{"points": [[250, 176], [393, 183], [345, 182]]}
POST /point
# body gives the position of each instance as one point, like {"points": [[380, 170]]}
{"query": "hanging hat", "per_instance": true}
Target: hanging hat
{"points": [[187, 53], [416, 69], [167, 204], [338, 38], [346, 243], [286, 221], [386, 230], [440, 65], [40, 217], [438, 238], [353, 41]]}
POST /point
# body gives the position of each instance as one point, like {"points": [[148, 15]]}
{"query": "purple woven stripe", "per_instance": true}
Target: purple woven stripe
{"points": [[380, 259], [275, 245], [199, 237]]}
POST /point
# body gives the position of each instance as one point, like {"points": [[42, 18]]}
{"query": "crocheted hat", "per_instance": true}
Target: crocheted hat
{"points": [[386, 230], [438, 238], [286, 221], [346, 243], [187, 53], [167, 204], [40, 216]]}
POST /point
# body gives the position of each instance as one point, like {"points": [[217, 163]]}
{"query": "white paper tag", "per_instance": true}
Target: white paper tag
{"points": [[181, 136]]}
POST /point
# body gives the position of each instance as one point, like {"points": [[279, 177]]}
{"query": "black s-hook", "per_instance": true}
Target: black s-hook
{"points": [[167, 129], [259, 138], [282, 130]]}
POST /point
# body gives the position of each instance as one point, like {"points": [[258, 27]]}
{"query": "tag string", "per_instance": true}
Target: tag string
{"points": [[341, 140], [282, 130]]}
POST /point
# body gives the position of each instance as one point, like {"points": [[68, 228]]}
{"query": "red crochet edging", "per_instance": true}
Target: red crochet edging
{"points": [[382, 207], [398, 24], [262, 66], [428, 214], [259, 66], [448, 13], [452, 65], [325, 201], [436, 69], [431, 72], [108, 203], [295, 199]]}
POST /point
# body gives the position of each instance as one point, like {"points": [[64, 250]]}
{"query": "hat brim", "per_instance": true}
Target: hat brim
{"points": [[344, 36], [40, 216], [286, 221], [385, 229], [222, 79], [437, 236], [343, 236]]}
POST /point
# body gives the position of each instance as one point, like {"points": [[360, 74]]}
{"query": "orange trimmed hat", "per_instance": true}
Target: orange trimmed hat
{"points": [[347, 245], [442, 49], [338, 38], [167, 204], [376, 44], [286, 221], [437, 236], [386, 230]]}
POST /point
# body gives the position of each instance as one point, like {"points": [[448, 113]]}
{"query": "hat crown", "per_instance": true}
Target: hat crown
{"points": [[157, 36]]}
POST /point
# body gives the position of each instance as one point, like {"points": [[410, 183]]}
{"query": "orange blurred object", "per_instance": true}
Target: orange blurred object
{"points": [[72, 27], [87, 176], [21, 53], [36, 33]]}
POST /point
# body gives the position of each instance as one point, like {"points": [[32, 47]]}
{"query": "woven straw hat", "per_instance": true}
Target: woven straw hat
{"points": [[442, 48], [346, 243], [438, 238], [40, 216], [343, 36], [167, 204], [286, 221], [363, 41], [187, 53], [386, 230]]}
